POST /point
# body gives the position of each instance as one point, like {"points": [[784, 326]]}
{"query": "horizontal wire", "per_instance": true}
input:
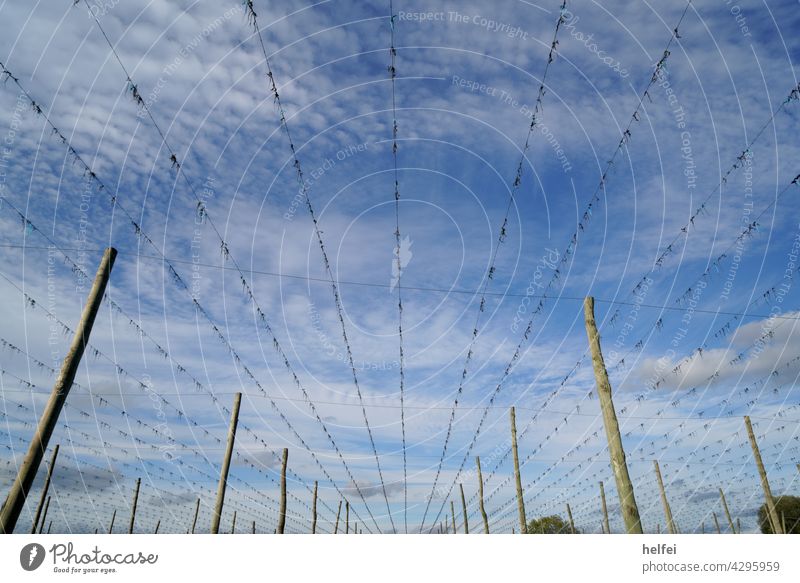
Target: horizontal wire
{"points": [[414, 288], [431, 408]]}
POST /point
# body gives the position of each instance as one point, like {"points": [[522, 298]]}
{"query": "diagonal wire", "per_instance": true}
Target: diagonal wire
{"points": [[741, 160], [181, 283], [492, 266], [586, 217], [223, 244], [303, 184], [77, 269]]}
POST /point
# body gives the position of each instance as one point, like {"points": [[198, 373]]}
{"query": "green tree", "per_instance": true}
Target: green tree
{"points": [[548, 525], [788, 508]]}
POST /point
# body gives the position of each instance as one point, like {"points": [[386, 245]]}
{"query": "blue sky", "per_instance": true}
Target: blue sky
{"points": [[468, 76]]}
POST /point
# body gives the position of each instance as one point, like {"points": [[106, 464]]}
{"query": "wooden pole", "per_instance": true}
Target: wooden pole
{"points": [[346, 517], [627, 499], [571, 522], [233, 525], [480, 496], [111, 526], [282, 515], [44, 517], [30, 464], [314, 511], [45, 489], [49, 526], [523, 527], [727, 512], [716, 522], [196, 512], [135, 502], [338, 512], [605, 508], [254, 527], [771, 510], [158, 525], [464, 509], [226, 464], [453, 512], [664, 501]]}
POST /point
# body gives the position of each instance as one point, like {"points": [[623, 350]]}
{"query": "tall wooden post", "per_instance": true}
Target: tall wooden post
{"points": [[226, 465], [282, 515], [627, 500], [338, 513], [30, 464], [233, 525], [49, 526], [158, 525], [716, 522], [771, 510], [571, 522], [111, 526], [464, 509], [523, 527], [727, 512], [44, 517], [196, 512], [605, 508], [346, 517], [254, 527], [664, 501], [314, 511], [480, 496], [453, 512], [45, 489], [135, 502]]}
